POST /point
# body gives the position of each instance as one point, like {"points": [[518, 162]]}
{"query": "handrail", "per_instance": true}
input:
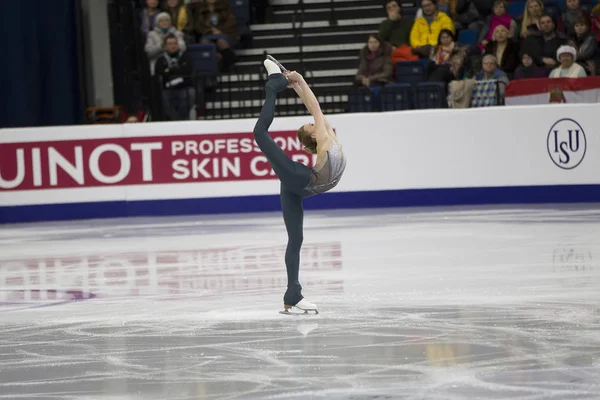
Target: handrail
{"points": [[298, 33], [332, 19]]}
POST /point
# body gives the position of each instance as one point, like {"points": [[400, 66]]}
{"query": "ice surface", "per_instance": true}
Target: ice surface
{"points": [[489, 303]]}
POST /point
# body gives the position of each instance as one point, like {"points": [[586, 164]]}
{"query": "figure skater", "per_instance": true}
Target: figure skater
{"points": [[297, 180]]}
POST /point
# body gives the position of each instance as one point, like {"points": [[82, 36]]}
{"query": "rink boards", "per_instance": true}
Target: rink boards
{"points": [[529, 154]]}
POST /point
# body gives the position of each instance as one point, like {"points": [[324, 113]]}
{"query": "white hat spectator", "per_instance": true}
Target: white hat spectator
{"points": [[163, 15], [566, 49]]}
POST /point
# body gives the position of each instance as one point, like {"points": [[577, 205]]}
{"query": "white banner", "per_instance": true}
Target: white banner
{"points": [[490, 147]]}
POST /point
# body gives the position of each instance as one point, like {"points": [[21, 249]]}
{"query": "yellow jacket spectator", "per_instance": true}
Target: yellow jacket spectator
{"points": [[178, 12], [426, 30]]}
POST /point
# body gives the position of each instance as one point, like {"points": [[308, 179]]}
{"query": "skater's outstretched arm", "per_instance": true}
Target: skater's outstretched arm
{"points": [[300, 93], [307, 96]]}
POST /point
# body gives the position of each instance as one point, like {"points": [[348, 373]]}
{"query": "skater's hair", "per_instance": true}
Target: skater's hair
{"points": [[307, 141]]}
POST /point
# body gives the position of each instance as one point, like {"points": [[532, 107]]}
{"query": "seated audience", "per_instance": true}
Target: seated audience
{"points": [[542, 47], [528, 69], [175, 68], [596, 22], [499, 17], [446, 6], [505, 50], [585, 44], [568, 67], [376, 67], [567, 19], [467, 16], [454, 69], [178, 12], [440, 54], [484, 7], [490, 71], [215, 22], [156, 38], [148, 16], [534, 9], [426, 30], [395, 30]]}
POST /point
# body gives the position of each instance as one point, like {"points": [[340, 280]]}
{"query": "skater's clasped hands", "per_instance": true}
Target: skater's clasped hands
{"points": [[293, 77]]}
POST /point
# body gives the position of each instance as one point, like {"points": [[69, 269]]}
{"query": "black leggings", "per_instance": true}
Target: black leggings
{"points": [[294, 178]]}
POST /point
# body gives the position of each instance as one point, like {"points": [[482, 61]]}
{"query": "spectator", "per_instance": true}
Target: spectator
{"points": [[446, 45], [490, 71], [484, 7], [568, 67], [156, 39], [500, 16], [148, 16], [505, 50], [176, 70], [446, 6], [543, 47], [528, 69], [426, 30], [454, 69], [178, 12], [567, 18], [215, 22], [585, 44], [395, 29], [193, 9], [534, 9], [467, 16], [376, 67], [596, 21]]}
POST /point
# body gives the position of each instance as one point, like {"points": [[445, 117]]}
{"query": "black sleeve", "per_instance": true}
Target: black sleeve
{"points": [[186, 65], [160, 66]]}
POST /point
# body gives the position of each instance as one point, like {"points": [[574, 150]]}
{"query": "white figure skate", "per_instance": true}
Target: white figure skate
{"points": [[303, 305], [281, 67], [271, 67]]}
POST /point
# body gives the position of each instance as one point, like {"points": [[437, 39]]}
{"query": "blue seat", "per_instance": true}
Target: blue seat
{"points": [[360, 100], [587, 4], [468, 37], [516, 8], [241, 8], [562, 5], [410, 72], [430, 95], [395, 97], [204, 58]]}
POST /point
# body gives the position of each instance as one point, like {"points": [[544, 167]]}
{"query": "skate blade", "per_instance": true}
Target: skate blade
{"points": [[298, 311], [283, 69]]}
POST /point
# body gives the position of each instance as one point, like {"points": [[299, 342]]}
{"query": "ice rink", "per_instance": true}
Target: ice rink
{"points": [[454, 303]]}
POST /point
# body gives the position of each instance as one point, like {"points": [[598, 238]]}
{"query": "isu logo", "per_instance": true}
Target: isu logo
{"points": [[566, 143]]}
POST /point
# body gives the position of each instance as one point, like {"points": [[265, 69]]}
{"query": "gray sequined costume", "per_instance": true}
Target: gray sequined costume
{"points": [[327, 175]]}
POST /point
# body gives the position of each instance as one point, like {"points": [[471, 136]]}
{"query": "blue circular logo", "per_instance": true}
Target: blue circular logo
{"points": [[567, 143]]}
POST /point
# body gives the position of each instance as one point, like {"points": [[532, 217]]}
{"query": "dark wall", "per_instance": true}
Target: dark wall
{"points": [[40, 70]]}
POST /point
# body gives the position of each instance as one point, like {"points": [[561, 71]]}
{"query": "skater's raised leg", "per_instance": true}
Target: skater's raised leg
{"points": [[295, 176]]}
